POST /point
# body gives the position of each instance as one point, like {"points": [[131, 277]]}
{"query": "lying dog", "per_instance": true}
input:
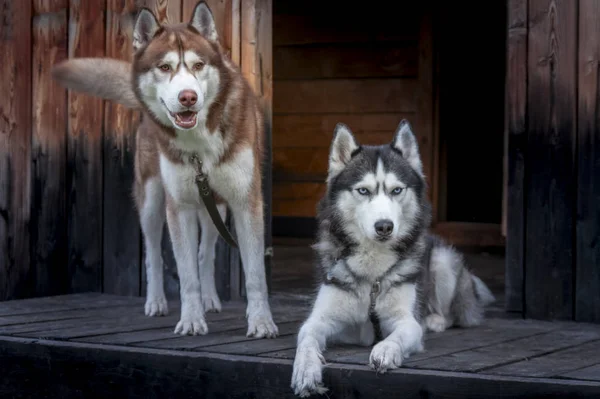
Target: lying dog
{"points": [[385, 279]]}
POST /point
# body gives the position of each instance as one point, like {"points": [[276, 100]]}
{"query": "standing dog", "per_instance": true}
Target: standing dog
{"points": [[196, 105], [384, 278]]}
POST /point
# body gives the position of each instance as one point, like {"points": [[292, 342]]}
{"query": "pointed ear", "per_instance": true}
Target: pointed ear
{"points": [[145, 28], [342, 147], [204, 22], [406, 143]]}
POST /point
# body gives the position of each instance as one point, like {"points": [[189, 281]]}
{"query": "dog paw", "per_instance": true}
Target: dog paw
{"points": [[191, 326], [307, 373], [386, 355], [156, 306], [262, 326], [435, 323], [211, 303]]}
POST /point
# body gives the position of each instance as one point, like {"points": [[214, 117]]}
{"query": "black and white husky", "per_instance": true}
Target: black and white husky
{"points": [[384, 278]]}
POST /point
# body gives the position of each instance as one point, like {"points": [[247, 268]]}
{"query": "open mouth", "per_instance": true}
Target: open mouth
{"points": [[185, 119]]}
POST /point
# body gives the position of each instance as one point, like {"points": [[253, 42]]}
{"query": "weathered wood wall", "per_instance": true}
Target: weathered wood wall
{"points": [[67, 217], [553, 246], [338, 63]]}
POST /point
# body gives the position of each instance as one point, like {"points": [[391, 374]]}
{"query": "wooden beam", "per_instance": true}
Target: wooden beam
{"points": [[15, 148], [587, 267], [84, 159], [49, 150], [516, 111], [121, 227], [550, 166]]}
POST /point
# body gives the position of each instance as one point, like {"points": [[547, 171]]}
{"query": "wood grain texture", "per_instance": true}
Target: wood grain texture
{"points": [[550, 169], [121, 228], [397, 59], [345, 96], [84, 154], [422, 125], [516, 113], [15, 149], [49, 150], [587, 267]]}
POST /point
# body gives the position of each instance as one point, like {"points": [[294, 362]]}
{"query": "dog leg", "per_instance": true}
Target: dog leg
{"points": [[183, 228], [405, 334], [152, 220], [206, 260], [250, 236], [328, 319]]}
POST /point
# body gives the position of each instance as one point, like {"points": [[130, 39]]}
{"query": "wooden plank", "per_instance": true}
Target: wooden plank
{"points": [[49, 145], [587, 373], [551, 104], [346, 61], [297, 199], [15, 150], [516, 93], [554, 364], [84, 154], [61, 368], [301, 160], [345, 96], [222, 334], [524, 349], [494, 331], [366, 26], [423, 124], [254, 347], [470, 234], [317, 130], [121, 228], [587, 272]]}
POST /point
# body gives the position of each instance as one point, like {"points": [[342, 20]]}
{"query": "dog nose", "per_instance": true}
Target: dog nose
{"points": [[384, 227], [188, 97]]}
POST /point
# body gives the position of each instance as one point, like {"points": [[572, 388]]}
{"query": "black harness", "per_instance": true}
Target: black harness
{"points": [[423, 275]]}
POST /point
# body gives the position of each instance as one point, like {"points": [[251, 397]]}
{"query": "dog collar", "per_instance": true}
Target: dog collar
{"points": [[209, 200]]}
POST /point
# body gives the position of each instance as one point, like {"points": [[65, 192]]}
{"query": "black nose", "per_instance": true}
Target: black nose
{"points": [[384, 227]]}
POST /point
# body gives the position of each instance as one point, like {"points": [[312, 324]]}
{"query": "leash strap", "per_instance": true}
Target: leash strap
{"points": [[372, 314], [209, 201]]}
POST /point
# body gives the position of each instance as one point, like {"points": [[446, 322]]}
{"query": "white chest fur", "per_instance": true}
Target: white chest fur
{"points": [[371, 261]]}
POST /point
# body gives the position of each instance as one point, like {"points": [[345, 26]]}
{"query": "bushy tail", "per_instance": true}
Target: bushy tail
{"points": [[484, 295], [472, 296], [107, 78]]}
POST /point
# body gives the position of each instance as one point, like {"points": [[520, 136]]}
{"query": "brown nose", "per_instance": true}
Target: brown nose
{"points": [[188, 97]]}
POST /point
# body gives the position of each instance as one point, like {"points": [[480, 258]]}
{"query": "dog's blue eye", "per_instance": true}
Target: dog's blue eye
{"points": [[397, 190], [362, 191]]}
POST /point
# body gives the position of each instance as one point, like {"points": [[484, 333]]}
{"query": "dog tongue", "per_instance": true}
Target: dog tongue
{"points": [[186, 116]]}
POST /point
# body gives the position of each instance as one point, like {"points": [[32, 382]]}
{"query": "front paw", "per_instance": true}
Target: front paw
{"points": [[194, 325], [211, 303], [307, 374], [386, 355], [261, 324], [156, 306]]}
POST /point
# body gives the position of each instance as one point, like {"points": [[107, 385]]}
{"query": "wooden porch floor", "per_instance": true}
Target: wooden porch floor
{"points": [[97, 345]]}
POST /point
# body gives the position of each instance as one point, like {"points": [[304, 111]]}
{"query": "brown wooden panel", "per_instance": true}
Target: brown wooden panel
{"points": [[360, 27], [317, 130], [550, 172], [15, 149], [300, 160], [49, 145], [346, 61], [121, 241], [84, 159], [296, 199], [516, 92], [345, 96], [587, 280]]}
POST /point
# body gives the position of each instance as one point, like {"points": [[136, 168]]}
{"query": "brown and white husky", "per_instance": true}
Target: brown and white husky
{"points": [[194, 101]]}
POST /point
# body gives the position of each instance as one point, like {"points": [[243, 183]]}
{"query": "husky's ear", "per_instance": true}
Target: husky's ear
{"points": [[406, 143], [342, 147], [203, 21], [145, 28]]}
